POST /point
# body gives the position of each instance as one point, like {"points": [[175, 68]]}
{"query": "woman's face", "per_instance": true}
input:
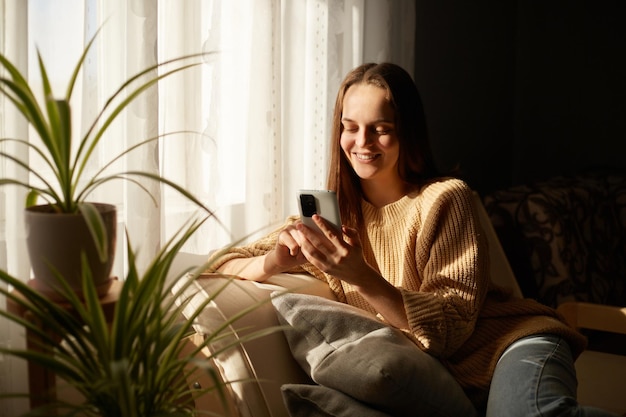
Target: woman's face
{"points": [[368, 137]]}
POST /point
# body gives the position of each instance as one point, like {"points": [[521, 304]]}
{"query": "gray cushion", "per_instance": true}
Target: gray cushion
{"points": [[349, 350], [318, 401]]}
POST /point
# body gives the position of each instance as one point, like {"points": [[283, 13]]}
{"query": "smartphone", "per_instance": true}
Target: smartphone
{"points": [[322, 202]]}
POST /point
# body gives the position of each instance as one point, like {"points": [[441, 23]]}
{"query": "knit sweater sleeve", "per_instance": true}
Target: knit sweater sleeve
{"points": [[452, 259], [260, 247], [257, 248]]}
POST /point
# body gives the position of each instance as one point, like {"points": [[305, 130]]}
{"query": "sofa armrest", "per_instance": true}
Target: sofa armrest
{"points": [[255, 369], [601, 317], [600, 374]]}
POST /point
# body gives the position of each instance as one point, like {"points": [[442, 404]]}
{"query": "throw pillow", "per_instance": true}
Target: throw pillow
{"points": [[349, 350], [317, 401]]}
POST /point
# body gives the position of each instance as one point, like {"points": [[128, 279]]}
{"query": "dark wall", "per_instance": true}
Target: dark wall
{"points": [[517, 91]]}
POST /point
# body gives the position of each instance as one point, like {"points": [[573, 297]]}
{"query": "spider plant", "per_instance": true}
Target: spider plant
{"points": [[134, 365], [51, 118]]}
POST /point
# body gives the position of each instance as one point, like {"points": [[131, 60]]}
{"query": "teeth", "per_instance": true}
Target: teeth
{"points": [[365, 157]]}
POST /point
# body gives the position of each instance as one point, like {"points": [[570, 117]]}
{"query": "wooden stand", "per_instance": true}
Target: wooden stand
{"points": [[41, 381]]}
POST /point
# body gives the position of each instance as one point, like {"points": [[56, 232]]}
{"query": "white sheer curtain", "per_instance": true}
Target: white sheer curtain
{"points": [[259, 105]]}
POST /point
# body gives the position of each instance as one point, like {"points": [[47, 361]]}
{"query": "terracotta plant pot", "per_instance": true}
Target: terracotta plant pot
{"points": [[56, 241]]}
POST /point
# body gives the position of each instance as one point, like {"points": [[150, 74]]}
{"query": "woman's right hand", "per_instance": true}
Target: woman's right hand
{"points": [[286, 254]]}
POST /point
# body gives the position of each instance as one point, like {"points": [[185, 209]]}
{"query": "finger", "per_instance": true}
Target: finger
{"points": [[288, 239], [294, 250], [310, 238], [296, 236], [351, 236], [313, 244], [329, 230]]}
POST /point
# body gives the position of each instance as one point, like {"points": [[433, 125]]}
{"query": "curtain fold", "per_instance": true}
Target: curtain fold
{"points": [[243, 131], [13, 19]]}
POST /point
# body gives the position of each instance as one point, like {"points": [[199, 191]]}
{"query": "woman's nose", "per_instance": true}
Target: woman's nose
{"points": [[364, 138]]}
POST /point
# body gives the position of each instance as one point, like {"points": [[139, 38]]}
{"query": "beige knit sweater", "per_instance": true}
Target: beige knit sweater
{"points": [[429, 244]]}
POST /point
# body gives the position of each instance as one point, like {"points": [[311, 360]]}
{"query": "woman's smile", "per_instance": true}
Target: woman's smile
{"points": [[366, 157]]}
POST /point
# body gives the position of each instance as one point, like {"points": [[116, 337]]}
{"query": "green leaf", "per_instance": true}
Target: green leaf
{"points": [[53, 113], [96, 227], [45, 191], [79, 65], [93, 316], [22, 96], [63, 137], [49, 191], [31, 198]]}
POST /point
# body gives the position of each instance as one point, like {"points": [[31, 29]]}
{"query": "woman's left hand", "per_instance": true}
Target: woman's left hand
{"points": [[338, 253]]}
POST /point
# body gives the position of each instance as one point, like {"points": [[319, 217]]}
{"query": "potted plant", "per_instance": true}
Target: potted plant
{"points": [[66, 195], [133, 366]]}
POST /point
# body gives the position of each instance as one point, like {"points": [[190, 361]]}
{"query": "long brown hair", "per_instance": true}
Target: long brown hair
{"points": [[415, 163]]}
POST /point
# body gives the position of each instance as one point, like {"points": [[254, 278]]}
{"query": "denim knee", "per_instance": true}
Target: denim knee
{"points": [[535, 376]]}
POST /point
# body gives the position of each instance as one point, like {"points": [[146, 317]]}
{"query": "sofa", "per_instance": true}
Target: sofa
{"points": [[257, 368], [565, 238]]}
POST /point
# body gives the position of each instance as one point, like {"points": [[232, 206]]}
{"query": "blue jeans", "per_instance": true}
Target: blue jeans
{"points": [[535, 377]]}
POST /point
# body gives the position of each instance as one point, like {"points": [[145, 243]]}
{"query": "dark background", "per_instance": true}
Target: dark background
{"points": [[520, 91]]}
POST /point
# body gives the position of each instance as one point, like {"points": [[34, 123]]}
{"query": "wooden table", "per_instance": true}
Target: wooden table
{"points": [[42, 381]]}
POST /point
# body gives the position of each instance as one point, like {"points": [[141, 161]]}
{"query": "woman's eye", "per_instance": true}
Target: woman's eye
{"points": [[350, 129], [383, 131]]}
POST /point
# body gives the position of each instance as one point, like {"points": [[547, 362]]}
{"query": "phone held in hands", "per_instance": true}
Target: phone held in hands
{"points": [[322, 202]]}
